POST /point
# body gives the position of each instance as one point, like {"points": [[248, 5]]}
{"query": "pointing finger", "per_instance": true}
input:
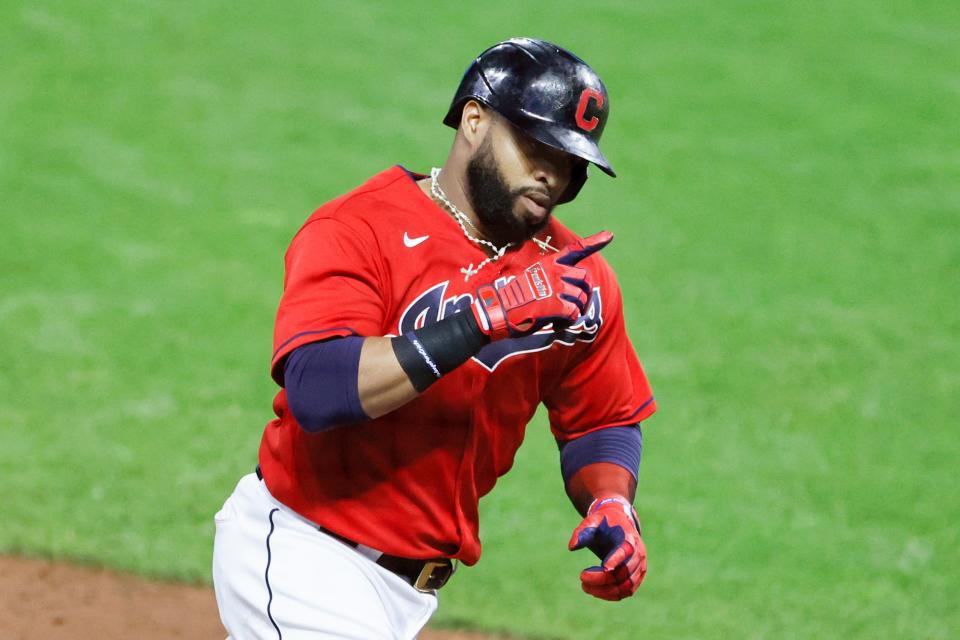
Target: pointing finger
{"points": [[577, 251]]}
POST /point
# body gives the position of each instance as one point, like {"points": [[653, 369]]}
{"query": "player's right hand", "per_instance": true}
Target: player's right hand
{"points": [[552, 291]]}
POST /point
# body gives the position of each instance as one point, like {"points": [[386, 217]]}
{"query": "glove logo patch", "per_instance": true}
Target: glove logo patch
{"points": [[537, 280]]}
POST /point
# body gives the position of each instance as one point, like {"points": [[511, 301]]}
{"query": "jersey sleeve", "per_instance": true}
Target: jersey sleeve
{"points": [[333, 287], [603, 384]]}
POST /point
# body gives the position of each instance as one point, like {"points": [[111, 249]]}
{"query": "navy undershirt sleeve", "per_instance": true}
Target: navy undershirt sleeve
{"points": [[321, 383], [618, 445]]}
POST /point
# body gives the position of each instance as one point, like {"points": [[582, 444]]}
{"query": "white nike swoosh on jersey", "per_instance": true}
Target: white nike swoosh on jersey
{"points": [[412, 242]]}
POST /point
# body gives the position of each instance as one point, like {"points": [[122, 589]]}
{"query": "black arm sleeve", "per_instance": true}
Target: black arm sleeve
{"points": [[437, 349]]}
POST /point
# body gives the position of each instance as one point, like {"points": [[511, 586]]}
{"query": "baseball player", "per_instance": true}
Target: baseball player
{"points": [[424, 318]]}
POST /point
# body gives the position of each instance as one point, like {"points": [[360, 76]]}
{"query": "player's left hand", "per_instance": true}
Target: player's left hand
{"points": [[612, 531]]}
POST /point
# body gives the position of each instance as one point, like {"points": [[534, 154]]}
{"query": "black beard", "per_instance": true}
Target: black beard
{"points": [[493, 200]]}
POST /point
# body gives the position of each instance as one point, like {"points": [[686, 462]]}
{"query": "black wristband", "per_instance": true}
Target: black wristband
{"points": [[437, 349]]}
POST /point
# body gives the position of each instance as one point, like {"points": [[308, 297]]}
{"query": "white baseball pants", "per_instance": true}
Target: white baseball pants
{"points": [[277, 576]]}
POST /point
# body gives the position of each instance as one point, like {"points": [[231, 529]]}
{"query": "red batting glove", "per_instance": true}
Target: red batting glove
{"points": [[552, 291], [612, 531]]}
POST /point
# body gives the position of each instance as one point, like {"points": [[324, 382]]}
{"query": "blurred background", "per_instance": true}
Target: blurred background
{"points": [[787, 220]]}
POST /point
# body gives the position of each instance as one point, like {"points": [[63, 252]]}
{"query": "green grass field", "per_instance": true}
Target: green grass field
{"points": [[788, 238]]}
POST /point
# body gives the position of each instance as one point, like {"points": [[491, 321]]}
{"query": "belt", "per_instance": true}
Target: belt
{"points": [[424, 575]]}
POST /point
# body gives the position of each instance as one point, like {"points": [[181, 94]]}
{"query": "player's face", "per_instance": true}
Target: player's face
{"points": [[514, 181]]}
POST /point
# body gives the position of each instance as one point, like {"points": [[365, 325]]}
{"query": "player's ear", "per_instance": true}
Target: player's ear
{"points": [[474, 121]]}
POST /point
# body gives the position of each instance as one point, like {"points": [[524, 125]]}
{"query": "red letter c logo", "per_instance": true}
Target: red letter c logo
{"points": [[585, 97]]}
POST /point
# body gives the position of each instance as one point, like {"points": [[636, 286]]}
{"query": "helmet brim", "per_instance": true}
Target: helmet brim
{"points": [[545, 131], [564, 139]]}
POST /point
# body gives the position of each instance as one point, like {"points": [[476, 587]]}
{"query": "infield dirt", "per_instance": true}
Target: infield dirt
{"points": [[59, 601]]}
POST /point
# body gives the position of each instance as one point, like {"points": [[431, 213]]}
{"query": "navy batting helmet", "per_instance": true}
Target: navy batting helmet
{"points": [[547, 92]]}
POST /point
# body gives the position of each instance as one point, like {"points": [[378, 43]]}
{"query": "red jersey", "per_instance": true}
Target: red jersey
{"points": [[382, 260]]}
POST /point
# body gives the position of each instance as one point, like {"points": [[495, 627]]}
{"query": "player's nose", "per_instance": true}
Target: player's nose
{"points": [[552, 172]]}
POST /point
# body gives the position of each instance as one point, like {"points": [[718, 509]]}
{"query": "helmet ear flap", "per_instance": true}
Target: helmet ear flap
{"points": [[577, 179]]}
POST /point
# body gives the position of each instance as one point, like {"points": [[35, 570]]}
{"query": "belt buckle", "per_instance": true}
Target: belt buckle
{"points": [[430, 579]]}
